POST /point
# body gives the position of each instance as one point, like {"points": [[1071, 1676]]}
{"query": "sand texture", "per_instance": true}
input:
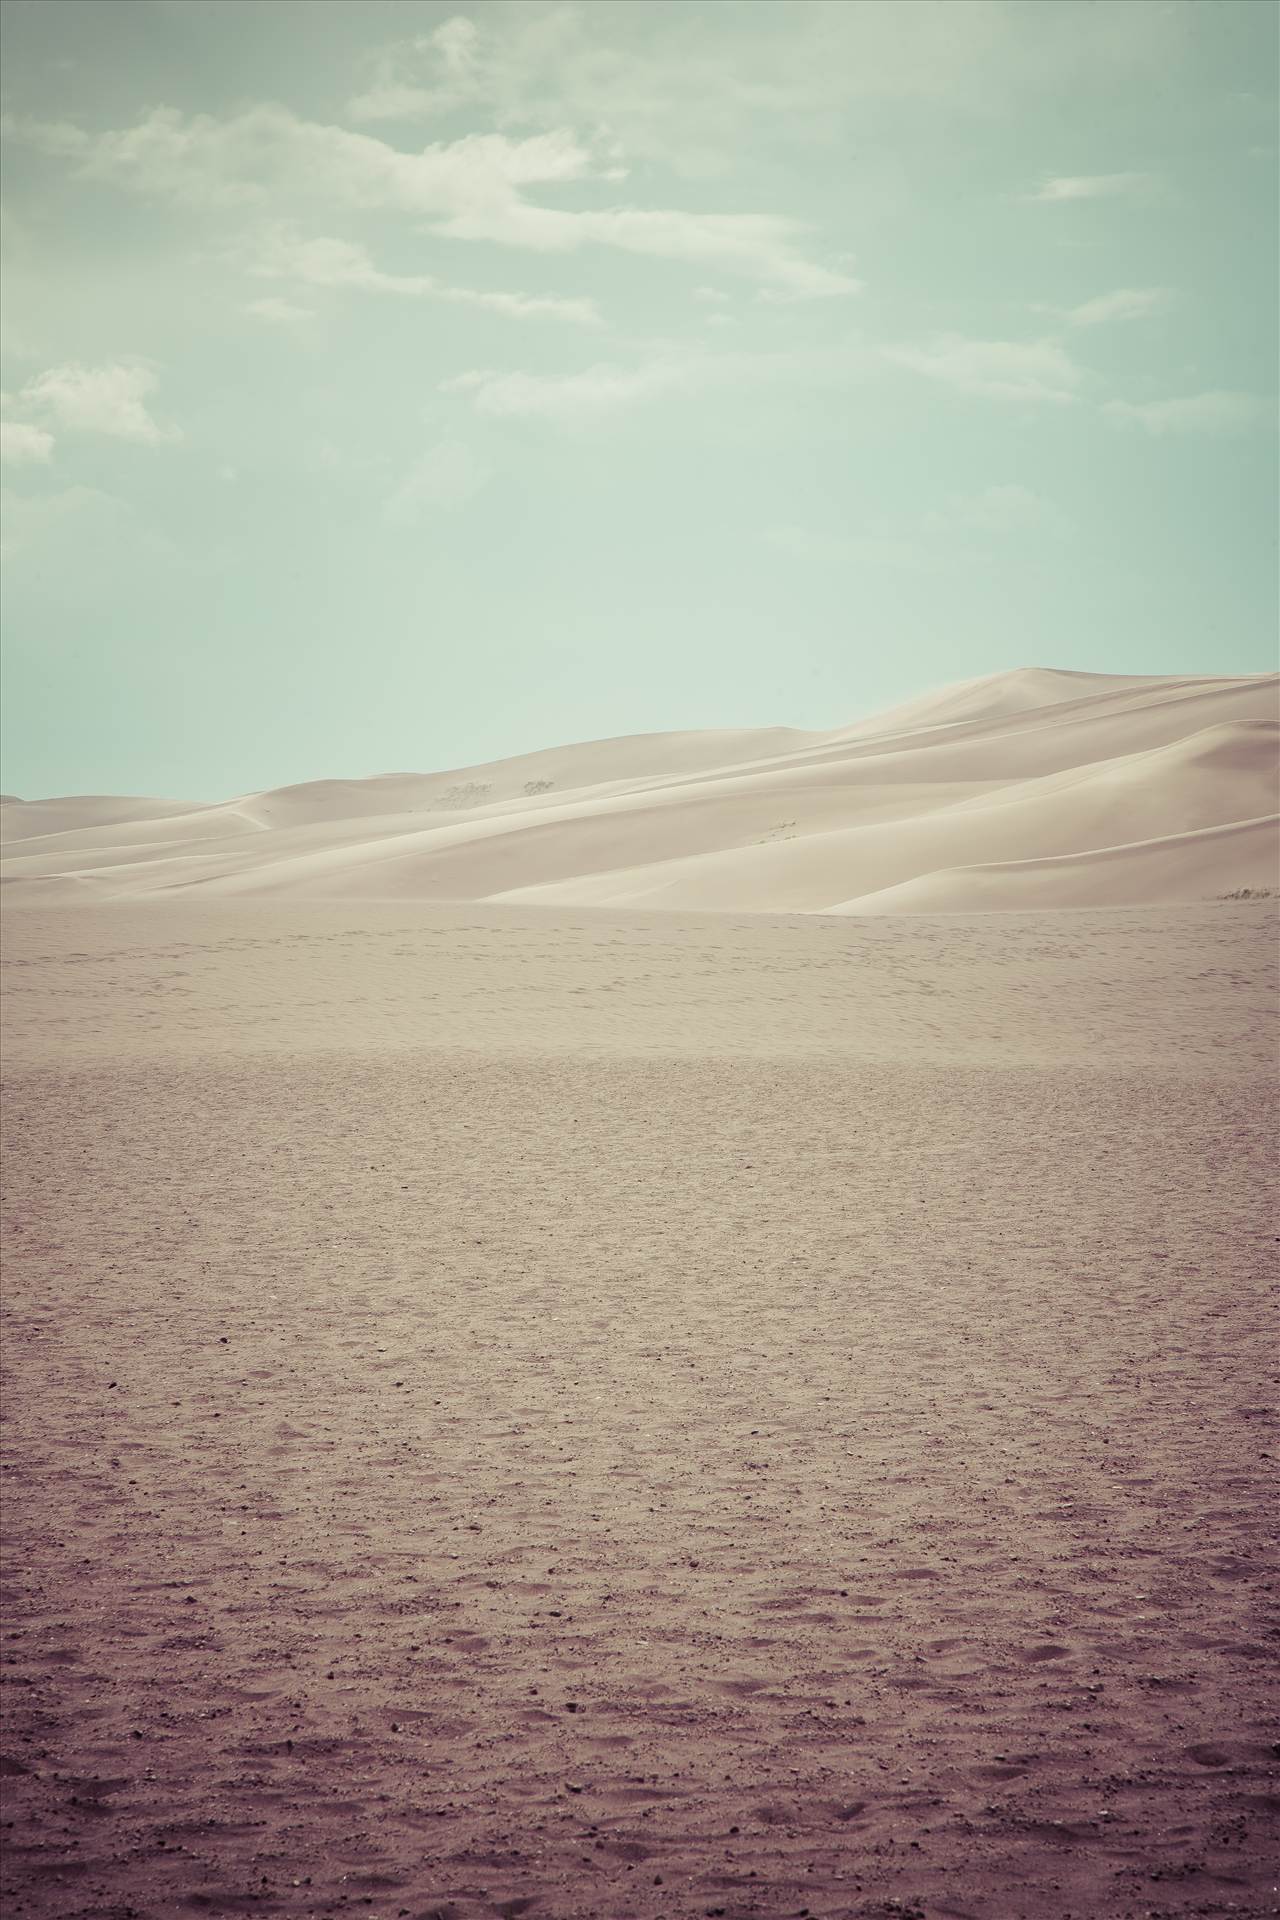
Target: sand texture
{"points": [[600, 1416], [1025, 790]]}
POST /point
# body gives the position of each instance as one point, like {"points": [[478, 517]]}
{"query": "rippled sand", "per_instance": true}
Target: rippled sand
{"points": [[584, 1416]]}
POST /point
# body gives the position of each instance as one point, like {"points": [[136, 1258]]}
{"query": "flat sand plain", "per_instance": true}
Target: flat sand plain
{"points": [[593, 1415]]}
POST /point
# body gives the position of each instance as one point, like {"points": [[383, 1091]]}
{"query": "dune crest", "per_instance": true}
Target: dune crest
{"points": [[1035, 788]]}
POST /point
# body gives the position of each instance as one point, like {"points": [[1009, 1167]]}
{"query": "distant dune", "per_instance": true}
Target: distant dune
{"points": [[1024, 790]]}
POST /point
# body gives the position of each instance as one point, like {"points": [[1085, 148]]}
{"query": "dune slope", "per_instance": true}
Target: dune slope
{"points": [[1033, 788]]}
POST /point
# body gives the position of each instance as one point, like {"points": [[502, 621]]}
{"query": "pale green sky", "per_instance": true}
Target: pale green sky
{"points": [[396, 385]]}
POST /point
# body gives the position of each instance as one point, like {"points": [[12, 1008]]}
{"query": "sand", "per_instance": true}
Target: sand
{"points": [[676, 1326], [1023, 790], [600, 1414]]}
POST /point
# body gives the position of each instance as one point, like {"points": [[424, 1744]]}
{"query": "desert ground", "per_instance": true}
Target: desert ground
{"points": [[708, 1373]]}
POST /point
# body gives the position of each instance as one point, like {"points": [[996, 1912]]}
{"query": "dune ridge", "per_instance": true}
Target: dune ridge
{"points": [[1031, 789]]}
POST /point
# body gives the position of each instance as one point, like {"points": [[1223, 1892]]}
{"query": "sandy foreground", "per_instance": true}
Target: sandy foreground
{"points": [[587, 1414]]}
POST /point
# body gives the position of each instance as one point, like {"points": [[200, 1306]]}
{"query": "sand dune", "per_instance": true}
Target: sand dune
{"points": [[1035, 788], [1223, 860]]}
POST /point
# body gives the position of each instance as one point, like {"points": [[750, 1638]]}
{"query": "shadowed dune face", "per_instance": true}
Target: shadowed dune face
{"points": [[1030, 789]]}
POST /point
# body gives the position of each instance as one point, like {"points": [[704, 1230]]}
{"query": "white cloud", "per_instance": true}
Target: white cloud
{"points": [[1126, 303], [605, 388], [22, 444], [571, 398], [107, 400], [1214, 413], [457, 40], [281, 313], [760, 246], [445, 477], [200, 160], [688, 87], [1033, 370], [472, 188], [713, 301], [1094, 186], [341, 263], [443, 70], [592, 393]]}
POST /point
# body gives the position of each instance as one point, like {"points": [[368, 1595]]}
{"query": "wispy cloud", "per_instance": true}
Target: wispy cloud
{"points": [[607, 388], [571, 398], [443, 478], [1126, 303], [657, 79], [1039, 371], [432, 73], [593, 393], [1215, 413], [282, 313], [1094, 186], [762, 247], [250, 158], [321, 262], [25, 445], [109, 400], [474, 188]]}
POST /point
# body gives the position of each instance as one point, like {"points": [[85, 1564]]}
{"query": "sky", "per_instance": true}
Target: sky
{"points": [[394, 386]]}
